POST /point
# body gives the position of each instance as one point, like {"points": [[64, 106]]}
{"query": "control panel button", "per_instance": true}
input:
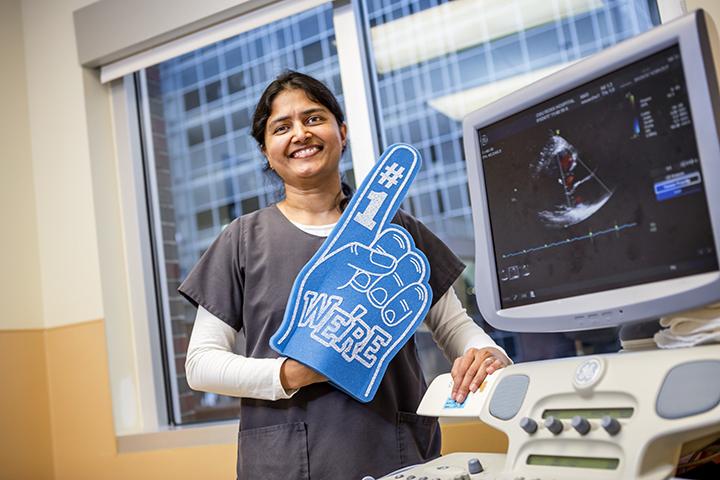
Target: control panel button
{"points": [[610, 424], [554, 425], [529, 425], [686, 390], [580, 424], [588, 373], [508, 396], [474, 466]]}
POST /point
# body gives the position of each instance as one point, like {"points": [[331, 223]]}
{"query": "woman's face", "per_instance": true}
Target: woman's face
{"points": [[303, 141]]}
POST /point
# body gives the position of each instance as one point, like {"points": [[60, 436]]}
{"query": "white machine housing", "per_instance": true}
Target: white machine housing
{"points": [[660, 400]]}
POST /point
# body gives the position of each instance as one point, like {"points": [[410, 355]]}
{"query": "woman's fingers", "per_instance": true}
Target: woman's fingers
{"points": [[469, 371], [472, 378], [294, 374], [495, 365]]}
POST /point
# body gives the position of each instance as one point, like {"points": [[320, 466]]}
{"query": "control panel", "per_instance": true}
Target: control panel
{"points": [[616, 416]]}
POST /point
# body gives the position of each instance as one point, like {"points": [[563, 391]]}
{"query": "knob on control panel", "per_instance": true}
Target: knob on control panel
{"points": [[529, 425], [610, 424], [474, 466], [580, 424], [554, 425]]}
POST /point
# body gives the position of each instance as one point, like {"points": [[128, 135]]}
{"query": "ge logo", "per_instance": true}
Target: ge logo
{"points": [[588, 373], [365, 291]]}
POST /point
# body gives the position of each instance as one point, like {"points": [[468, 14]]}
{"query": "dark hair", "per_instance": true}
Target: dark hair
{"points": [[316, 91]]}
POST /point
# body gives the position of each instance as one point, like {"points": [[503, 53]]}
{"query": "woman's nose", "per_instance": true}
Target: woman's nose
{"points": [[300, 133]]}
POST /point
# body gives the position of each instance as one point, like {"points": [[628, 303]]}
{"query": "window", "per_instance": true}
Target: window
{"points": [[207, 168], [431, 62]]}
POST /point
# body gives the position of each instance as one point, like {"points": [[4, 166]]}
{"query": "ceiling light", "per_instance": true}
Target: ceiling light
{"points": [[462, 24]]}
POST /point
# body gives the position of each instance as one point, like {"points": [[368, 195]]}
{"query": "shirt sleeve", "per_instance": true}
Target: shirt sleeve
{"points": [[454, 331], [216, 280], [212, 366]]}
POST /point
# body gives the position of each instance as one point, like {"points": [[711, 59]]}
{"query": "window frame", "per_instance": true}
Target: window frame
{"points": [[136, 367]]}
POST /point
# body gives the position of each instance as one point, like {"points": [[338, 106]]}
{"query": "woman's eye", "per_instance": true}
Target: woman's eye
{"points": [[280, 129], [314, 119]]}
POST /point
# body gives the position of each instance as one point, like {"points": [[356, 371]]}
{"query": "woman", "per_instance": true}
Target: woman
{"points": [[293, 423]]}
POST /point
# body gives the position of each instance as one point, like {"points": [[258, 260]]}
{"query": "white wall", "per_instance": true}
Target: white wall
{"points": [[66, 224], [20, 292]]}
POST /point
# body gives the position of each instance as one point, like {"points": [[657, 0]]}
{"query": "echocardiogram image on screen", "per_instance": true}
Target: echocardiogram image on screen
{"points": [[598, 188]]}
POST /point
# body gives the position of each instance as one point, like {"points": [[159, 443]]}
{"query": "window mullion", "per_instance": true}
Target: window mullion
{"points": [[155, 222], [354, 73], [671, 9]]}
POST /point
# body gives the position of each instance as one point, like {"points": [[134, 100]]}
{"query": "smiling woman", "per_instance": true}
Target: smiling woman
{"points": [[294, 424]]}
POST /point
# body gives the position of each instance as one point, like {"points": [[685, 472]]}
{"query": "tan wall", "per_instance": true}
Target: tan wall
{"points": [[25, 435], [82, 425]]}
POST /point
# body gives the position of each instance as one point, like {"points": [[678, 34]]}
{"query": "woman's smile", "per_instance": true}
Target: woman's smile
{"points": [[305, 152]]}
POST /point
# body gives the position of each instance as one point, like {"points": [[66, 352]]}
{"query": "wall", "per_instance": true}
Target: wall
{"points": [[56, 416], [25, 441], [61, 164], [55, 409], [20, 292]]}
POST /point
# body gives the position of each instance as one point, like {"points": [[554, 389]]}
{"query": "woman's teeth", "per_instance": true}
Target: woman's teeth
{"points": [[305, 152]]}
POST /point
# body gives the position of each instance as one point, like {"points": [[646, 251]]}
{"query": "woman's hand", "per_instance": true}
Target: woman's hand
{"points": [[469, 371], [294, 375]]}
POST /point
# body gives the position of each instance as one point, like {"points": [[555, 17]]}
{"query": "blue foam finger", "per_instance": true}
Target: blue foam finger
{"points": [[332, 323]]}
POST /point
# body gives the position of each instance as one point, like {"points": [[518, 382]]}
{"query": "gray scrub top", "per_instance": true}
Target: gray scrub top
{"points": [[245, 278]]}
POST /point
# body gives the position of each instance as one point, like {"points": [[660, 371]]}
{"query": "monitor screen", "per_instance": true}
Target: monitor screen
{"points": [[596, 191], [598, 188]]}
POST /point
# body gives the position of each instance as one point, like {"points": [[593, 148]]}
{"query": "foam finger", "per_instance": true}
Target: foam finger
{"points": [[405, 304], [378, 198], [363, 258], [410, 269], [394, 242]]}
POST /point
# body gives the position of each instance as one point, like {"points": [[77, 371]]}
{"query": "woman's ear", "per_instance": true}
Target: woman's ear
{"points": [[343, 134], [264, 154]]}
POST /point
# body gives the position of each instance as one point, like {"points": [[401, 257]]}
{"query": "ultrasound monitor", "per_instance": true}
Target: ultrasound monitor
{"points": [[596, 191]]}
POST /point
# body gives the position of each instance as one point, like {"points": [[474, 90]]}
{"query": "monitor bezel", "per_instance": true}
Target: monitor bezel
{"points": [[622, 305]]}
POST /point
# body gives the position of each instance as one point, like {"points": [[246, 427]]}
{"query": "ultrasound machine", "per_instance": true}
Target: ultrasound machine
{"points": [[596, 203]]}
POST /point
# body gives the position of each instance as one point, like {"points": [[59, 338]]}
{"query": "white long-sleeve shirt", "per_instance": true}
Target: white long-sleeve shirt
{"points": [[212, 366]]}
